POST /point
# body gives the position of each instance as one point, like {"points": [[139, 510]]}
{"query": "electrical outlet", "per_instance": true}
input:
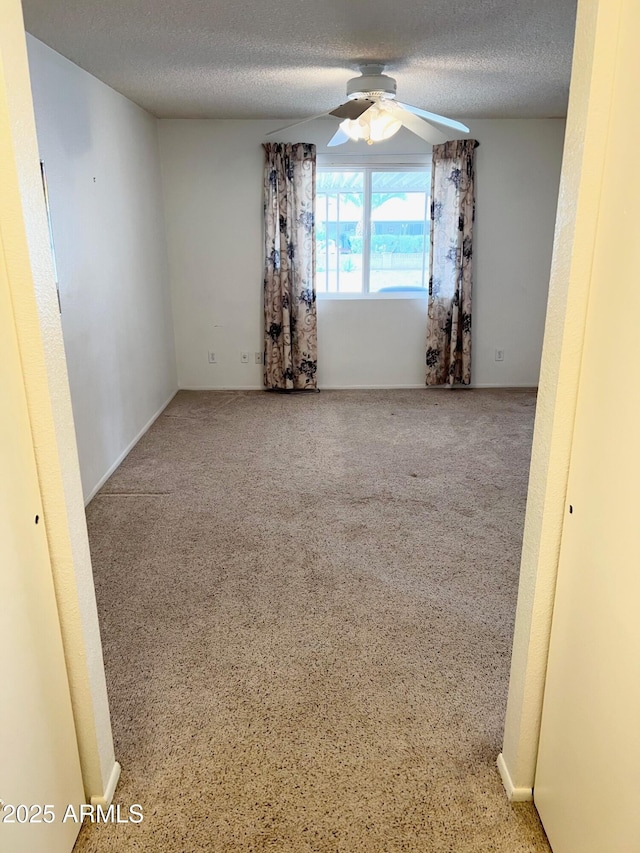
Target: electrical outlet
{"points": [[258, 358], [244, 357], [212, 357], [499, 355]]}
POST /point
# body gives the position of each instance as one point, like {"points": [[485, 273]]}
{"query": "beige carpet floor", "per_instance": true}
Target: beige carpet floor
{"points": [[307, 607]]}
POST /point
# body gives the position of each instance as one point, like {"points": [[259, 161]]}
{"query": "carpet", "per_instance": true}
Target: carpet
{"points": [[307, 604]]}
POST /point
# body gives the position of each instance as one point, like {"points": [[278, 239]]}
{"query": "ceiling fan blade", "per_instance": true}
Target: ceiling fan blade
{"points": [[338, 138], [447, 122], [421, 128], [295, 124], [352, 109]]}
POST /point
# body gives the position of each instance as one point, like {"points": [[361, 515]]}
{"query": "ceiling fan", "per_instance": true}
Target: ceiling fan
{"points": [[372, 113]]}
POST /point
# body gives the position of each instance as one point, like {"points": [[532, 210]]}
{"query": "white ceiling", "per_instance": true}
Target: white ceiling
{"points": [[292, 58]]}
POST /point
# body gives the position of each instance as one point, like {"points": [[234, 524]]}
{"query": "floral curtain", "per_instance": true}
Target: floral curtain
{"points": [[452, 216], [290, 354]]}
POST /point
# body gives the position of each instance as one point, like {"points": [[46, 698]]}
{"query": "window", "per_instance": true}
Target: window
{"points": [[372, 229]]}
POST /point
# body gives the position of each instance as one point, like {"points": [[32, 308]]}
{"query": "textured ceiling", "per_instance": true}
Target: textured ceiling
{"points": [[292, 58]]}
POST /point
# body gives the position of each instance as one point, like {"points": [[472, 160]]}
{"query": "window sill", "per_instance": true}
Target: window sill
{"points": [[399, 294]]}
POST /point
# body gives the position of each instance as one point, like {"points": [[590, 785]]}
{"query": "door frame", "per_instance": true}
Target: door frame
{"points": [[579, 197], [40, 762], [23, 230]]}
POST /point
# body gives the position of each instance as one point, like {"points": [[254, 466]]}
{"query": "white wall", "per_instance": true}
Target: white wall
{"points": [[101, 158], [518, 174], [212, 179]]}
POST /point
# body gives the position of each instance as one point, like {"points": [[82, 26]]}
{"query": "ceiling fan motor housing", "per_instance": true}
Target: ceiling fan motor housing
{"points": [[372, 83]]}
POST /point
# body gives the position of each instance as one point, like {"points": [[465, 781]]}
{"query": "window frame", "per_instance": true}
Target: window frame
{"points": [[369, 165]]}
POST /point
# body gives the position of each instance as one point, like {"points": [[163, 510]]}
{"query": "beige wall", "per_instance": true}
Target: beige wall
{"points": [[580, 190], [586, 786], [28, 261], [40, 762]]}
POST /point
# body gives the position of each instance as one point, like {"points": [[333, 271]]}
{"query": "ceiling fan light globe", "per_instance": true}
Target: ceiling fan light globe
{"points": [[354, 129], [383, 126], [375, 125]]}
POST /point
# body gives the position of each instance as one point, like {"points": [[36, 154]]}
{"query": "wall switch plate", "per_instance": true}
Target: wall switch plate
{"points": [[244, 357], [212, 357], [499, 355], [258, 358]]}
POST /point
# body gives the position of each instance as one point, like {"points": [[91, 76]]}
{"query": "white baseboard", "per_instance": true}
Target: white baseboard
{"points": [[128, 450], [514, 795], [109, 791], [322, 387], [387, 387], [422, 386], [222, 388], [489, 385]]}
